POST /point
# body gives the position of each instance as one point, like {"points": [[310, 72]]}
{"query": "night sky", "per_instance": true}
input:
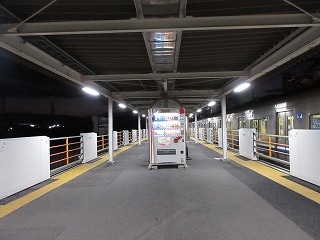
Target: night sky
{"points": [[28, 95]]}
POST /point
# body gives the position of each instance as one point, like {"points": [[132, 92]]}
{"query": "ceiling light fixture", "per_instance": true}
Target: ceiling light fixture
{"points": [[135, 111], [242, 87], [122, 105], [210, 104], [90, 91], [199, 110]]}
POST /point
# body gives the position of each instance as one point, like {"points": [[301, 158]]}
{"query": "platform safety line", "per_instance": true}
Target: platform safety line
{"points": [[270, 173], [59, 180]]}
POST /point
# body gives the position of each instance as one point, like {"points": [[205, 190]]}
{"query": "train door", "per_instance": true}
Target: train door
{"points": [[262, 126], [314, 121], [241, 122], [254, 123], [285, 123]]}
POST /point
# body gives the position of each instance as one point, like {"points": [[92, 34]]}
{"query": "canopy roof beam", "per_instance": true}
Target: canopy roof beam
{"points": [[161, 24]]}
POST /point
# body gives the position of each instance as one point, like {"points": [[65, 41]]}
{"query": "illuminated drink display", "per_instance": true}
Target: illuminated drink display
{"points": [[167, 136]]}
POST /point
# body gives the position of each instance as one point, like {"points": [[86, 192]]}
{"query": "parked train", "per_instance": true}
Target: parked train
{"points": [[276, 117], [272, 119]]}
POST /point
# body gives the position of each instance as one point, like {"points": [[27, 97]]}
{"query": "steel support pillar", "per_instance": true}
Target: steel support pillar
{"points": [[196, 128], [139, 130], [110, 129], [147, 127], [224, 127]]}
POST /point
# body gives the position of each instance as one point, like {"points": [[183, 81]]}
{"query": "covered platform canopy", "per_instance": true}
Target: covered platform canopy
{"points": [[138, 51]]}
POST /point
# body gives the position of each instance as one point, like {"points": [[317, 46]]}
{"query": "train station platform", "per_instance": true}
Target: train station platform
{"points": [[212, 199]]}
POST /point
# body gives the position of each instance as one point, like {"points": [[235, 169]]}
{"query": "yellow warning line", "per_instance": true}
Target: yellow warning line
{"points": [[271, 174], [59, 180]]}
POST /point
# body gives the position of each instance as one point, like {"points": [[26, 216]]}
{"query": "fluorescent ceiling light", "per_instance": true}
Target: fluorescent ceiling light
{"points": [[135, 111], [90, 91], [143, 115], [199, 110], [210, 104], [122, 105], [241, 87]]}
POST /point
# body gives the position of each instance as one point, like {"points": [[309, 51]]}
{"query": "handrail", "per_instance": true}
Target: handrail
{"points": [[268, 146], [63, 154], [273, 147]]}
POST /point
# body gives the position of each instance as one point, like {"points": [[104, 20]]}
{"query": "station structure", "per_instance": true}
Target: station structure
{"points": [[135, 53]]}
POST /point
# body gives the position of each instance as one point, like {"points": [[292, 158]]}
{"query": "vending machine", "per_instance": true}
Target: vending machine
{"points": [[167, 137]]}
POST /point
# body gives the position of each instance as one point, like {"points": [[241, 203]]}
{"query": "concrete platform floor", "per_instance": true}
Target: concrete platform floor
{"points": [[125, 201]]}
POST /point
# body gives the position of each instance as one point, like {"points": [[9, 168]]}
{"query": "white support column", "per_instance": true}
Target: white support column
{"points": [[110, 129], [224, 127], [139, 130], [196, 128], [147, 127]]}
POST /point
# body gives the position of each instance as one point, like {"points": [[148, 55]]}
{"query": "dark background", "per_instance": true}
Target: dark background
{"points": [[35, 102], [32, 101]]}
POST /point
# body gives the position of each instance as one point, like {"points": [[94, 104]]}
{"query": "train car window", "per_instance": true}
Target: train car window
{"points": [[241, 122], [285, 122], [281, 125], [262, 126], [290, 125], [254, 123], [315, 121], [229, 126]]}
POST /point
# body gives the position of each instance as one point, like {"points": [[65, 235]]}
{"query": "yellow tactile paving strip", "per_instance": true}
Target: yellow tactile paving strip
{"points": [[270, 173], [59, 180]]}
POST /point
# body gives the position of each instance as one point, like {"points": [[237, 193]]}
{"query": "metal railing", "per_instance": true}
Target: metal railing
{"points": [[102, 143], [120, 139], [233, 139], [65, 152], [268, 147], [273, 147], [215, 136]]}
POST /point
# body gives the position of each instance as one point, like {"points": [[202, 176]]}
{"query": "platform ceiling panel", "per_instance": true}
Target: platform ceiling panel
{"points": [[200, 84], [207, 8], [129, 85], [71, 10], [107, 53], [225, 49]]}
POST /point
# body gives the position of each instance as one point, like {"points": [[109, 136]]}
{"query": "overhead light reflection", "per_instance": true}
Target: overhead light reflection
{"points": [[212, 103], [241, 87], [90, 91], [122, 105]]}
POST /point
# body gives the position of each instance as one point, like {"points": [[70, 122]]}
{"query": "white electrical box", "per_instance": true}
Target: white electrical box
{"points": [[126, 137], [115, 140], [304, 149], [220, 137], [89, 144], [167, 136], [134, 135], [209, 135], [201, 133], [24, 162], [247, 143]]}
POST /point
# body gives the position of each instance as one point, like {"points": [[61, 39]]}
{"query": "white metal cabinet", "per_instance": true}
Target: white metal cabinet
{"points": [[304, 149]]}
